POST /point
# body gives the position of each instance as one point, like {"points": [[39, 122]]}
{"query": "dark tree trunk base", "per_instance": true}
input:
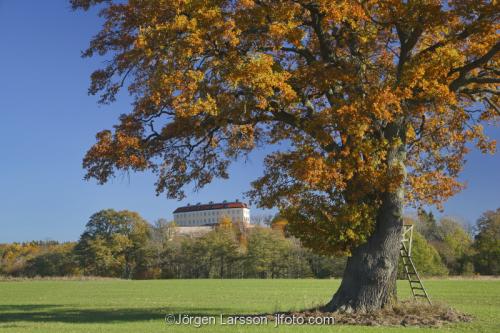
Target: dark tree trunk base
{"points": [[369, 281]]}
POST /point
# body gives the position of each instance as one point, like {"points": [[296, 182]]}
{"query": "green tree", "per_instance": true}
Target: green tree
{"points": [[266, 251], [487, 243], [193, 259], [222, 247], [171, 264], [161, 233], [425, 257], [454, 246], [113, 244], [296, 259]]}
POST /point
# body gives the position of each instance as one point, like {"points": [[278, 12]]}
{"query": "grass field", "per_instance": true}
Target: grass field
{"points": [[141, 306]]}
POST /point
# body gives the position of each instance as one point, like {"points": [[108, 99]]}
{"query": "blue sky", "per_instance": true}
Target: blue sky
{"points": [[48, 121]]}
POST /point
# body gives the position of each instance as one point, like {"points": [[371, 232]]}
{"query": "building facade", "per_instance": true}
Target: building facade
{"points": [[211, 213]]}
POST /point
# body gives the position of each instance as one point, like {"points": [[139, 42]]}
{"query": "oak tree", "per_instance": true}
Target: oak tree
{"points": [[371, 105]]}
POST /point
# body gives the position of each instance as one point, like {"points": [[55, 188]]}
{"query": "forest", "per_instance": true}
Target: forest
{"points": [[122, 244]]}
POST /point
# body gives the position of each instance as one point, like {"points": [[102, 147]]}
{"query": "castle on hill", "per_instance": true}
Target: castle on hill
{"points": [[210, 214]]}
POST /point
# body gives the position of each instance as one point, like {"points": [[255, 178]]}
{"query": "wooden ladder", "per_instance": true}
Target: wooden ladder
{"points": [[416, 286]]}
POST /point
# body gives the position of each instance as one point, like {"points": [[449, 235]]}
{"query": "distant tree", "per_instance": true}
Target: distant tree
{"points": [[190, 258], [97, 257], [426, 225], [266, 251], [16, 255], [425, 257], [279, 223], [296, 260], [162, 230], [113, 244], [222, 247], [161, 233], [58, 260], [449, 237], [487, 243], [324, 267], [454, 246], [171, 264], [42, 258], [262, 219], [225, 222]]}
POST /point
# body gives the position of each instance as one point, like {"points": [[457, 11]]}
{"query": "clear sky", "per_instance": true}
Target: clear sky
{"points": [[48, 121]]}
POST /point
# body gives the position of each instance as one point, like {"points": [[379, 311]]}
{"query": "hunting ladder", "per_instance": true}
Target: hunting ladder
{"points": [[416, 286]]}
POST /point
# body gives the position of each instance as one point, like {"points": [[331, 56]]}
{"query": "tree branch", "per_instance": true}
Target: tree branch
{"points": [[463, 71]]}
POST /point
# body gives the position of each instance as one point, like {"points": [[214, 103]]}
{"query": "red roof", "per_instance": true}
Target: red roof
{"points": [[211, 206]]}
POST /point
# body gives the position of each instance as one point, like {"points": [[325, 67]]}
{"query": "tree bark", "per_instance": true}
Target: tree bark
{"points": [[369, 281]]}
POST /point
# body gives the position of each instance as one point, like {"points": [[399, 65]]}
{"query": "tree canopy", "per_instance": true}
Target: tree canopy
{"points": [[487, 243], [113, 243], [364, 98]]}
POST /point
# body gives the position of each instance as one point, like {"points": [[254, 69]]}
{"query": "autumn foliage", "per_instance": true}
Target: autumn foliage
{"points": [[366, 97]]}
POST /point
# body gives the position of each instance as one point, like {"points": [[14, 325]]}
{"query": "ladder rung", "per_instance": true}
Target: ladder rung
{"points": [[414, 281], [417, 288]]}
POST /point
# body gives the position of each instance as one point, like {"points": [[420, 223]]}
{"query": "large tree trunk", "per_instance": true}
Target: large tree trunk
{"points": [[369, 281]]}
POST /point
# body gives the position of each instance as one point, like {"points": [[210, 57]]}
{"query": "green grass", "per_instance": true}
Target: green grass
{"points": [[140, 306]]}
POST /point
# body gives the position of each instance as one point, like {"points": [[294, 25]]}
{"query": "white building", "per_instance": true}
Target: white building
{"points": [[211, 213]]}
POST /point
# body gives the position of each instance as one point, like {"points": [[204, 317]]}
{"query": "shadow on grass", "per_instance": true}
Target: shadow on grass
{"points": [[68, 314], [25, 307]]}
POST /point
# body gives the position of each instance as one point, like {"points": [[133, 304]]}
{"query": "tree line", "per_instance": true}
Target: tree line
{"points": [[122, 244]]}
